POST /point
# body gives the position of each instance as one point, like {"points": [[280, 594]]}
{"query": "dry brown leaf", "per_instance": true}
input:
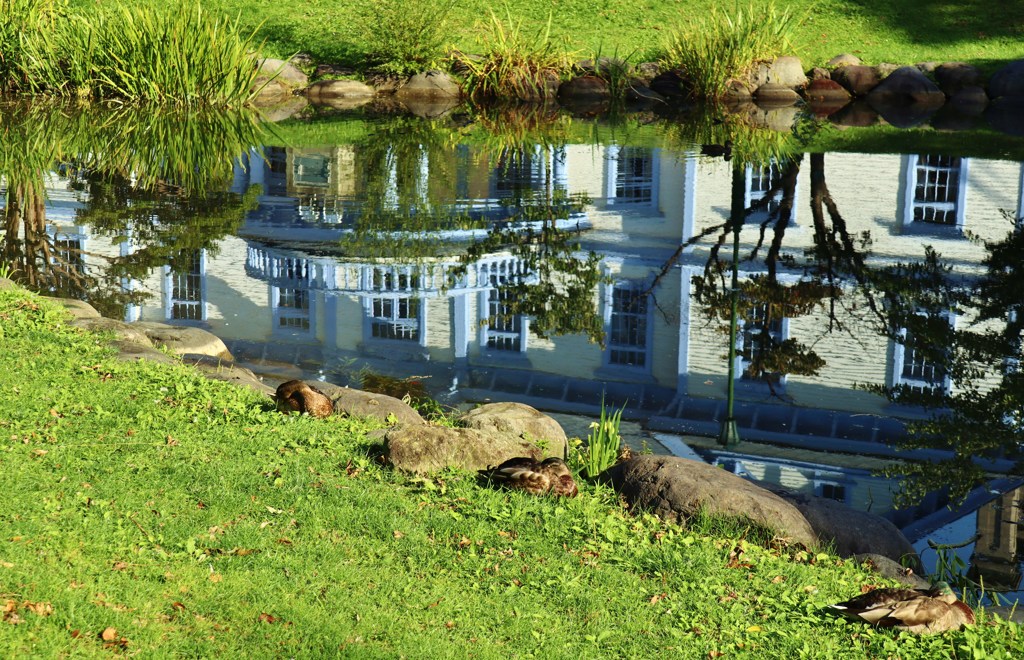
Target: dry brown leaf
{"points": [[778, 578], [109, 634], [42, 609], [216, 577], [119, 565], [397, 534], [267, 618]]}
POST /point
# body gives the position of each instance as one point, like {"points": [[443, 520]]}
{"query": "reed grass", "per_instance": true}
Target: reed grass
{"points": [[175, 54], [516, 65], [604, 443], [716, 48]]}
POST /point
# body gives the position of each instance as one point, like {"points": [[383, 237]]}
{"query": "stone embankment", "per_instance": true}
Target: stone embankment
{"points": [[948, 95]]}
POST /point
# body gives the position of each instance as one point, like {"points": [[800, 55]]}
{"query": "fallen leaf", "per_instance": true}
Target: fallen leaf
{"points": [[284, 541], [778, 578], [216, 577], [267, 618], [171, 441], [6, 564], [41, 609], [75, 634], [109, 634], [397, 534], [715, 654], [40, 452], [119, 565], [177, 606], [449, 624]]}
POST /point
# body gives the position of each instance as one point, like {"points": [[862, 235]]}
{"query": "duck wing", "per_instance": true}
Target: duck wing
{"points": [[875, 606], [520, 474]]}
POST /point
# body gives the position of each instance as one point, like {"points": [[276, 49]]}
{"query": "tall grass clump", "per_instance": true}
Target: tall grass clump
{"points": [[516, 66], [715, 48], [172, 54], [27, 31], [604, 443], [180, 54], [405, 36]]}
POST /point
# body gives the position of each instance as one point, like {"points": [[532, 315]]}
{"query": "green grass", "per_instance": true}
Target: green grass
{"points": [[875, 30], [151, 511]]}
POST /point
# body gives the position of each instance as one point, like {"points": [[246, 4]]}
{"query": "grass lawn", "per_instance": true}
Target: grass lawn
{"points": [[875, 30], [153, 512]]}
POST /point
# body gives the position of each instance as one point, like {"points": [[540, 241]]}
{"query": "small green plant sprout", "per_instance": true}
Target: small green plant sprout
{"points": [[604, 442]]}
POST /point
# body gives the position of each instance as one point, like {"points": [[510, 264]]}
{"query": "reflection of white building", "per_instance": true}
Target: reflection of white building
{"points": [[271, 297]]}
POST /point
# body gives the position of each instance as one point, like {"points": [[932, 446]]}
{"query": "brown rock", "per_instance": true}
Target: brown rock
{"points": [[520, 421], [676, 488], [367, 404], [425, 449]]}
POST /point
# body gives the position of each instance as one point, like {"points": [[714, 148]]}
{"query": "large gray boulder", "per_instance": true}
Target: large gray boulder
{"points": [[427, 449], [79, 309], [228, 372], [124, 331], [430, 85], [584, 88], [907, 85], [1007, 81], [857, 78], [182, 340], [327, 91], [676, 488], [520, 421], [954, 76], [786, 71], [852, 532], [358, 403]]}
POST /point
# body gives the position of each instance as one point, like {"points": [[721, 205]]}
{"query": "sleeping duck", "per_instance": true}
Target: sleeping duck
{"points": [[920, 611], [549, 477], [297, 396]]}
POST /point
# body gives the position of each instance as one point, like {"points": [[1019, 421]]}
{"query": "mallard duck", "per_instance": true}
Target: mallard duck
{"points": [[297, 396], [920, 611], [549, 477]]}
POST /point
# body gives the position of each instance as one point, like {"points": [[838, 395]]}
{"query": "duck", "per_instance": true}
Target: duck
{"points": [[548, 477], [718, 150], [919, 611], [298, 396]]}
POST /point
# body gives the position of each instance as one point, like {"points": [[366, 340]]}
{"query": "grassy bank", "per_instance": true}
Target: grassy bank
{"points": [[152, 511], [875, 30]]}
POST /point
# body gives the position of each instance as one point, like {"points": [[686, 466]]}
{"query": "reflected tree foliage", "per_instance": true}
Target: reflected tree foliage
{"points": [[147, 175]]}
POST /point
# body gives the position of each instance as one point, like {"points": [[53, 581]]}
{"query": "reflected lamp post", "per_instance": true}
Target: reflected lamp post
{"points": [[728, 435]]}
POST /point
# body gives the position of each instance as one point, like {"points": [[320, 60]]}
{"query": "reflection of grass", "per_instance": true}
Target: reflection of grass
{"points": [[194, 520]]}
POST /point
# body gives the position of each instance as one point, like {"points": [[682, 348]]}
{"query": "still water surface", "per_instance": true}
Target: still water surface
{"points": [[576, 262]]}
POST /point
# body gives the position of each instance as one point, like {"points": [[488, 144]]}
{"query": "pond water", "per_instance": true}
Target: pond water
{"points": [[564, 262]]}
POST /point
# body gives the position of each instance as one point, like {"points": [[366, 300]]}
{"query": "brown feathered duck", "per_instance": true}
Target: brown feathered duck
{"points": [[920, 611], [298, 396], [548, 477]]}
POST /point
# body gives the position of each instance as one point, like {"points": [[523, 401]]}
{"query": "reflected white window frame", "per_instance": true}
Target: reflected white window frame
{"points": [[498, 335], [395, 319], [287, 316], [742, 363], [821, 485], [609, 311], [899, 357], [78, 237], [170, 300], [752, 195], [614, 170], [911, 165], [542, 163]]}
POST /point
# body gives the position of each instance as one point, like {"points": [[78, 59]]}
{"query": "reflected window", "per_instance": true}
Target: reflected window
{"points": [[632, 176], [68, 259], [395, 318], [627, 327], [759, 332], [292, 310], [184, 282], [831, 491], [765, 181], [528, 170], [936, 189], [917, 366], [504, 330], [311, 170]]}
